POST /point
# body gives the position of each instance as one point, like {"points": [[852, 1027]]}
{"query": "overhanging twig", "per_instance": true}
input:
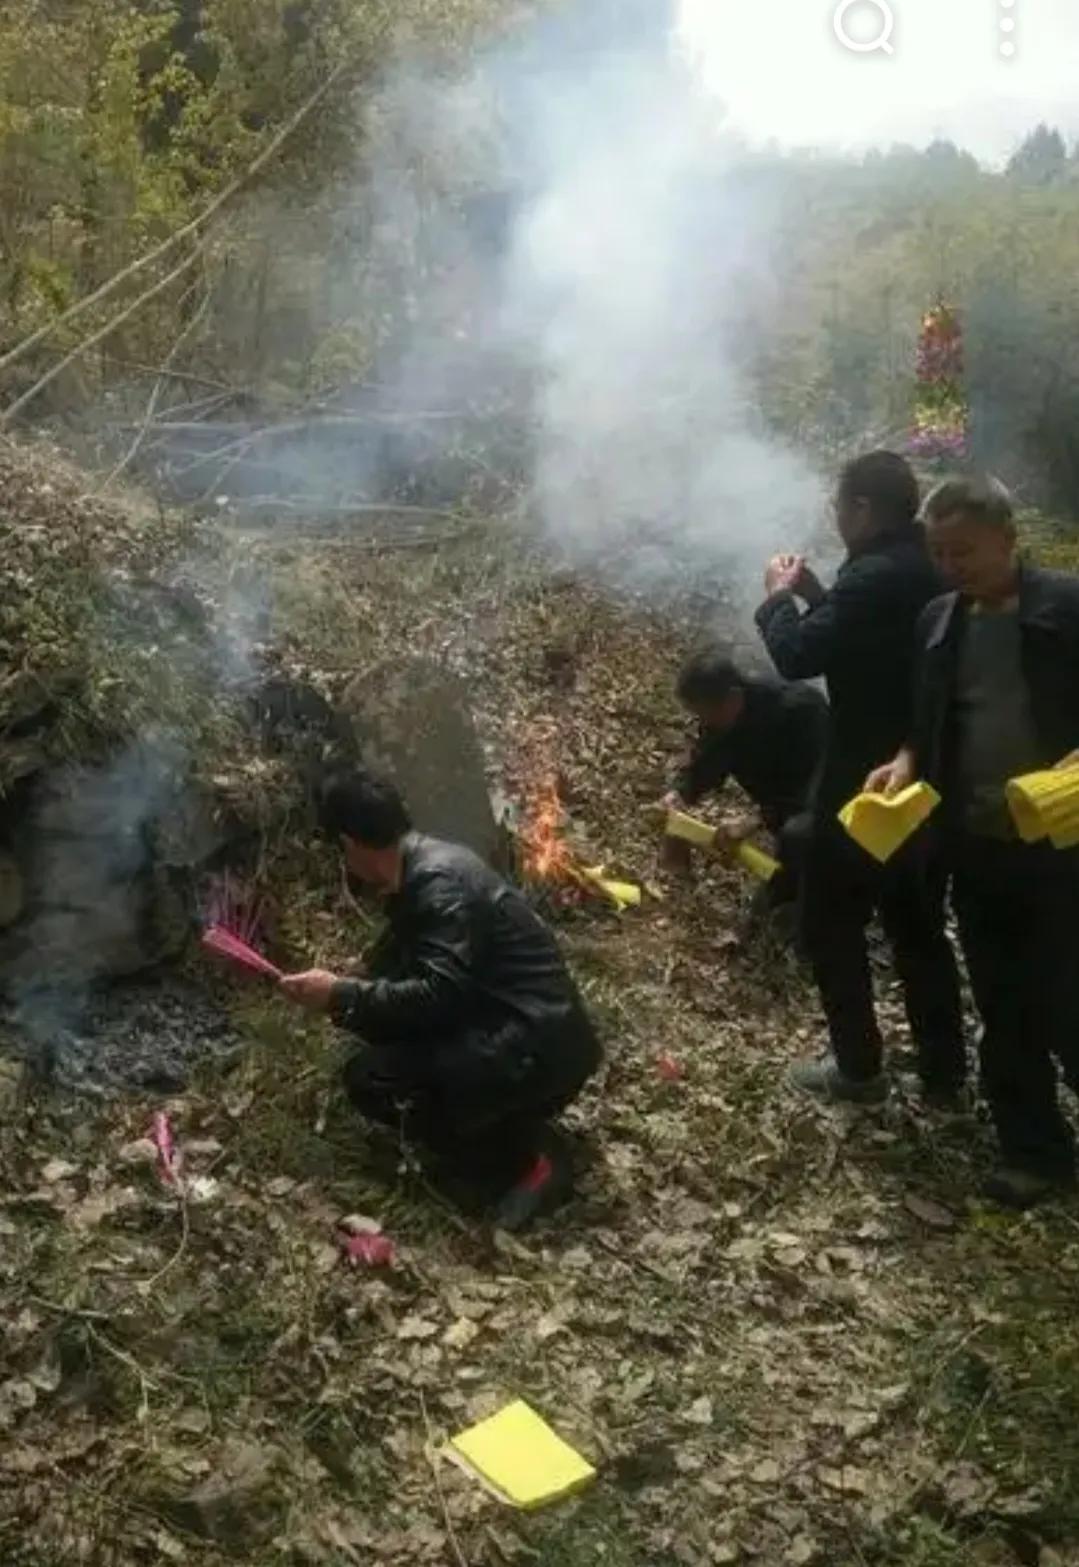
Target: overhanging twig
{"points": [[155, 395], [14, 409]]}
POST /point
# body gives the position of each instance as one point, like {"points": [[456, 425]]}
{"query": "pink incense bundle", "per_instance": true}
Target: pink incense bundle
{"points": [[233, 908], [225, 944], [168, 1155]]}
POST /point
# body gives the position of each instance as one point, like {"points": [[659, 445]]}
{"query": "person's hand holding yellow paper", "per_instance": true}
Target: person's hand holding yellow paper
{"points": [[893, 804], [894, 776]]}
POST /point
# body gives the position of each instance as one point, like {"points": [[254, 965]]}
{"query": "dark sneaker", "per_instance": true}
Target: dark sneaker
{"points": [[1013, 1187], [545, 1186], [824, 1080]]}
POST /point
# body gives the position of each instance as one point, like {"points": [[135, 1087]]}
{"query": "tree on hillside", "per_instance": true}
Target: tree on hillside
{"points": [[945, 156], [1042, 159]]}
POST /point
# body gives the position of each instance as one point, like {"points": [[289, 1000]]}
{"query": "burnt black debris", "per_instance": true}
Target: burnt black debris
{"points": [[147, 1034]]}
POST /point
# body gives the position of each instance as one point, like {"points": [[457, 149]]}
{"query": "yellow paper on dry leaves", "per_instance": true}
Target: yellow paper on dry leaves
{"points": [[623, 894], [1046, 805], [519, 1457]]}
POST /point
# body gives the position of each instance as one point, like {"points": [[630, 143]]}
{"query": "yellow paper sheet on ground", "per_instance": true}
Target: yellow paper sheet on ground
{"points": [[1046, 805], [517, 1456], [623, 894], [699, 833], [881, 823], [756, 862], [689, 828]]}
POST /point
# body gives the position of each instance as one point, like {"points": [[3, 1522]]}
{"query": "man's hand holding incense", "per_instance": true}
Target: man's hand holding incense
{"points": [[894, 776], [782, 572], [792, 574], [311, 990]]}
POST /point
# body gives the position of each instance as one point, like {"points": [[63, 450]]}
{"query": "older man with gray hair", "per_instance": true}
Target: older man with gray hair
{"points": [[997, 683]]}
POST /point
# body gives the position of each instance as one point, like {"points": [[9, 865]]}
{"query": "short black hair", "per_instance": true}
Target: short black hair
{"points": [[708, 676], [980, 497], [360, 806], [887, 482]]}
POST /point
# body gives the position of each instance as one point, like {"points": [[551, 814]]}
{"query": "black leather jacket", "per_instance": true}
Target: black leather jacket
{"points": [[462, 952], [1049, 628], [861, 638]]}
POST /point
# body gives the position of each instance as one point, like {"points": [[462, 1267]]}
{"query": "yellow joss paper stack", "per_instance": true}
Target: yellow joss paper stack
{"points": [[882, 823], [756, 862], [1046, 805], [692, 830], [520, 1459]]}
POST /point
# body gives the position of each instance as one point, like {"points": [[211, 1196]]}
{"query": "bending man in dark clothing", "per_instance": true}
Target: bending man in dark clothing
{"points": [[474, 1033], [860, 635], [768, 736], [997, 695]]}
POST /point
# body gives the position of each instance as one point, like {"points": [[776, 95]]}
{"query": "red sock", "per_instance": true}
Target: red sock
{"points": [[539, 1174]]}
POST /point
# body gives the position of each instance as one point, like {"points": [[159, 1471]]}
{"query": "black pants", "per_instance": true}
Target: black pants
{"points": [[793, 838], [844, 889], [479, 1099], [1018, 909]]}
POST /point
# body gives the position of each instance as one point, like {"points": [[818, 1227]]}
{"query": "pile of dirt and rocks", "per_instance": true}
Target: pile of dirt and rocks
{"points": [[144, 741]]}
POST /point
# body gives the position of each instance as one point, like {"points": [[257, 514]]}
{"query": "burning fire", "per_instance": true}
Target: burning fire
{"points": [[546, 855], [547, 858]]}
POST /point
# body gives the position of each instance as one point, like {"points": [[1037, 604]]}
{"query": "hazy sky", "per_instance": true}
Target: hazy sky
{"points": [[783, 73]]}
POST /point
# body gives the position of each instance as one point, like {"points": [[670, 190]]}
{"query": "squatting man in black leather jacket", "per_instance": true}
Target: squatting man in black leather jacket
{"points": [[474, 1034]]}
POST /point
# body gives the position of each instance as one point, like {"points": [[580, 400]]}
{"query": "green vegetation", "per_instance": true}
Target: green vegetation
{"points": [[120, 123]]}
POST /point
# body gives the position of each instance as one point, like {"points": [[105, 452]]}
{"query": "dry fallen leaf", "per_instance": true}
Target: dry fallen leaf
{"points": [[139, 1152], [851, 1482], [550, 1323], [930, 1213], [360, 1224], [194, 1421], [413, 1327], [16, 1398], [460, 1334]]}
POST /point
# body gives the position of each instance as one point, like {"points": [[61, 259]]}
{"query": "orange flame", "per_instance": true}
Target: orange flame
{"points": [[546, 854]]}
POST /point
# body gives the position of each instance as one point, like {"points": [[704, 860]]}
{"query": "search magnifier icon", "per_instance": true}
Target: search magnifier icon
{"points": [[882, 39]]}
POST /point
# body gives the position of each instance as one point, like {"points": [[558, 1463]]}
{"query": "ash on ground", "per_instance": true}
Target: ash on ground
{"points": [[148, 1034]]}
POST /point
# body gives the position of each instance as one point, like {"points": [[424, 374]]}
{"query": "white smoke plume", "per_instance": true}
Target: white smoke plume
{"points": [[581, 245]]}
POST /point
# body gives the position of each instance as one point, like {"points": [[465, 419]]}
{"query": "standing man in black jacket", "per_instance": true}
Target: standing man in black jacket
{"points": [[769, 736], [859, 635], [474, 1034], [998, 696]]}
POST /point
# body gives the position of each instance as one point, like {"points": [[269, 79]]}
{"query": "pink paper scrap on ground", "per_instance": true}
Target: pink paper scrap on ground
{"points": [[168, 1158], [377, 1251]]}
